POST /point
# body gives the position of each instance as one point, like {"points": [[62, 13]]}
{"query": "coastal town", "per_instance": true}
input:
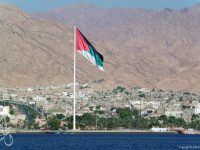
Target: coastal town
{"points": [[99, 75], [20, 105]]}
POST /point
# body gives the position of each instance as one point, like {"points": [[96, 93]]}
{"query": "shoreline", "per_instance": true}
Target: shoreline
{"points": [[86, 131]]}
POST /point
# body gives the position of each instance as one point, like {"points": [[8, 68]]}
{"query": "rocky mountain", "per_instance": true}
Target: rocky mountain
{"points": [[141, 47], [36, 52], [154, 48]]}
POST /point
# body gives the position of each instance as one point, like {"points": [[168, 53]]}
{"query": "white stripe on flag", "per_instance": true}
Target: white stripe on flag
{"points": [[89, 57]]}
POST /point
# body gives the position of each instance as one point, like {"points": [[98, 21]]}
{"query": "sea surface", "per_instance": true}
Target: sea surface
{"points": [[103, 141]]}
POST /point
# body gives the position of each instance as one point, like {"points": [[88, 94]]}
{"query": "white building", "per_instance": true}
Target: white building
{"points": [[143, 90], [22, 100], [32, 103], [13, 95], [38, 98], [154, 104], [136, 102], [82, 94], [154, 129], [197, 109], [4, 111], [65, 93], [29, 89]]}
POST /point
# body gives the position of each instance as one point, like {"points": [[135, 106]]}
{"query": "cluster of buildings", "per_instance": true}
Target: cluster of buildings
{"points": [[58, 99], [149, 102]]}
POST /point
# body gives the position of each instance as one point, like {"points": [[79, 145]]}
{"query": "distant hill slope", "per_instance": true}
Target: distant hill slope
{"points": [[36, 52], [155, 48], [141, 47]]}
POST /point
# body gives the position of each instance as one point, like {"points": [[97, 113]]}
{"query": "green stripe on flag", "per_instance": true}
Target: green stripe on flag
{"points": [[94, 53]]}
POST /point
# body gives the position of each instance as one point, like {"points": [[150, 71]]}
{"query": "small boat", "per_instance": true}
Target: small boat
{"points": [[57, 132]]}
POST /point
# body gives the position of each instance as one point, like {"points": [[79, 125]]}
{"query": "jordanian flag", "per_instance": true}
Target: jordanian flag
{"points": [[85, 48]]}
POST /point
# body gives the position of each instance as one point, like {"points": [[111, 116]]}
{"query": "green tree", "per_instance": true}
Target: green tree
{"points": [[181, 98], [102, 123], [98, 107], [194, 117], [99, 112], [127, 112], [112, 123], [53, 123], [171, 121], [195, 124], [36, 126], [142, 95], [164, 119], [7, 119], [88, 120], [180, 122], [119, 89], [141, 123], [12, 112], [124, 113], [60, 116], [153, 122]]}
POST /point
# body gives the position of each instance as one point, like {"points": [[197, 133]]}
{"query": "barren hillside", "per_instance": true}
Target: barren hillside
{"points": [[141, 47], [155, 48]]}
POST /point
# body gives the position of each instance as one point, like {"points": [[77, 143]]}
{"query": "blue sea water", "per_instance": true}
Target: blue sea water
{"points": [[103, 141]]}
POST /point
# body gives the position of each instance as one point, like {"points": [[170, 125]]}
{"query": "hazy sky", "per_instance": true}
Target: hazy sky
{"points": [[41, 5]]}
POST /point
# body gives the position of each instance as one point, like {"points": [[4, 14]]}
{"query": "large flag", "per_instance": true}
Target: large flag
{"points": [[85, 48]]}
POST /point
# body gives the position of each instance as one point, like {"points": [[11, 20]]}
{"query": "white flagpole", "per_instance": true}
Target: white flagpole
{"points": [[74, 102]]}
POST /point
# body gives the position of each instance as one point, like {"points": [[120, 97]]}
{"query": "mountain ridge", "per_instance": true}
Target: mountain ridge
{"points": [[141, 47]]}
